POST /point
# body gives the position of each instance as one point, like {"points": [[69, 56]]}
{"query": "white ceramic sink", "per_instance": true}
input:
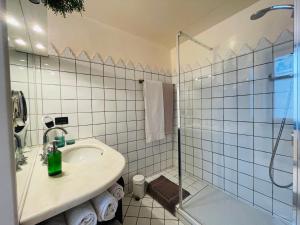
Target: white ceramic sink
{"points": [[89, 168], [82, 154]]}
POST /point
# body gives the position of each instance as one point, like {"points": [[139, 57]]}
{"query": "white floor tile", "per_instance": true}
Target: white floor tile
{"points": [[130, 221], [157, 222], [147, 202], [158, 213], [145, 212], [171, 222], [134, 202], [143, 221], [133, 211]]}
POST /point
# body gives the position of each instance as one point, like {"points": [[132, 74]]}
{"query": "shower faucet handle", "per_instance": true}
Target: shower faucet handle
{"points": [[293, 134]]}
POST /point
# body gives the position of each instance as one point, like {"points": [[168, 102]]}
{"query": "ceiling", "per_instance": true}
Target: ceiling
{"points": [[160, 20]]}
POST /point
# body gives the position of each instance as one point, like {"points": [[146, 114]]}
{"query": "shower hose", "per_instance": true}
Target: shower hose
{"points": [[274, 151]]}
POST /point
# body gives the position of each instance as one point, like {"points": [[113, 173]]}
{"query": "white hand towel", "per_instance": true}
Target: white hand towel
{"points": [[81, 215], [117, 191], [154, 111], [106, 206], [56, 220]]}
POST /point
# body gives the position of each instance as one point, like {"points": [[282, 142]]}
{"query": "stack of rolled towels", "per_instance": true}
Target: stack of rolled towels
{"points": [[101, 208], [81, 215], [117, 191]]}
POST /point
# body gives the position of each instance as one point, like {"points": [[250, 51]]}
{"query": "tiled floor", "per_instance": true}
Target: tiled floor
{"points": [[146, 212]]}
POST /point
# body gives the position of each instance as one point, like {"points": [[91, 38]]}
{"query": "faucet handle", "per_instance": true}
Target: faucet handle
{"points": [[52, 146]]}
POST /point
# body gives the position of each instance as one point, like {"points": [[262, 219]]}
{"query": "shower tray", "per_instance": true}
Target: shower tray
{"points": [[211, 206]]}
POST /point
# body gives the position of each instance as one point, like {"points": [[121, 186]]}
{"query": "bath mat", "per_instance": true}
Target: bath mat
{"points": [[166, 193]]}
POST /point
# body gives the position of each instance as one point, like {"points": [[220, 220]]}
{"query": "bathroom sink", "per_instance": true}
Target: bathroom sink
{"points": [[82, 154], [89, 168]]}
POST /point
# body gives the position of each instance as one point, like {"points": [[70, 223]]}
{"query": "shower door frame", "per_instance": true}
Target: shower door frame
{"points": [[296, 147], [190, 38], [178, 36]]}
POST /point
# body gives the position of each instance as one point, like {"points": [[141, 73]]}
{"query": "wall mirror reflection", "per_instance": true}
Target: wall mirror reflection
{"points": [[27, 27]]}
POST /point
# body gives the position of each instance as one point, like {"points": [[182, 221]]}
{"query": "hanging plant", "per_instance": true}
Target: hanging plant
{"points": [[65, 7]]}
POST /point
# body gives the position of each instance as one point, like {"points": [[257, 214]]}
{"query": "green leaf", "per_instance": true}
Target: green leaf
{"points": [[65, 7]]}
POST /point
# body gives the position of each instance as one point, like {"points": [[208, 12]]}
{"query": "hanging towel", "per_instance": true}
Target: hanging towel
{"points": [[17, 120], [106, 206], [19, 108], [56, 220], [168, 107], [117, 191], [22, 133], [81, 215], [23, 106], [154, 111]]}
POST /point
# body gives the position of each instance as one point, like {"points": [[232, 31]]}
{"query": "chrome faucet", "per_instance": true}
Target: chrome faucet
{"points": [[44, 157], [20, 158]]}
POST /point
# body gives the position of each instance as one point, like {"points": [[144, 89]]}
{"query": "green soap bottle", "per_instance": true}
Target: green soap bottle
{"points": [[54, 161]]}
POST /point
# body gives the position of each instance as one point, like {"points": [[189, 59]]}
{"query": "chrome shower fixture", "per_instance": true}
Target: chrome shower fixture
{"points": [[37, 1], [262, 12]]}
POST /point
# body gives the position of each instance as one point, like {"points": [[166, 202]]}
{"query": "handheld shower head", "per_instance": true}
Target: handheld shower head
{"points": [[262, 12], [259, 13]]}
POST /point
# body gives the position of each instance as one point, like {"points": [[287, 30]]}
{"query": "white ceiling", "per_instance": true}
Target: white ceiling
{"points": [[160, 20]]}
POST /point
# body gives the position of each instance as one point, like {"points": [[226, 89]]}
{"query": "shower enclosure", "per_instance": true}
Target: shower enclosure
{"points": [[237, 134]]}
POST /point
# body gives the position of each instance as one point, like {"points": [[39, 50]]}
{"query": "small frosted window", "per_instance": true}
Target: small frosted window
{"points": [[283, 65], [283, 88]]}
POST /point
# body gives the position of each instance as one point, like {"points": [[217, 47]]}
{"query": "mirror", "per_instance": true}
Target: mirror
{"points": [[27, 27], [27, 37]]}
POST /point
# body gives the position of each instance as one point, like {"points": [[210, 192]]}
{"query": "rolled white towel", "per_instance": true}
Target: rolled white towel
{"points": [[81, 215], [56, 220], [106, 206], [117, 191]]}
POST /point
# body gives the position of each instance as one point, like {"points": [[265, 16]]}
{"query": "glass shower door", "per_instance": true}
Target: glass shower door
{"points": [[237, 120]]}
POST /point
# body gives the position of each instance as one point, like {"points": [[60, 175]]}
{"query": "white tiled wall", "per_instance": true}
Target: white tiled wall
{"points": [[102, 100], [230, 117]]}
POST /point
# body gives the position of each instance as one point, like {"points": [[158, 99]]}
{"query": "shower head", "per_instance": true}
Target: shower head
{"points": [[262, 12]]}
